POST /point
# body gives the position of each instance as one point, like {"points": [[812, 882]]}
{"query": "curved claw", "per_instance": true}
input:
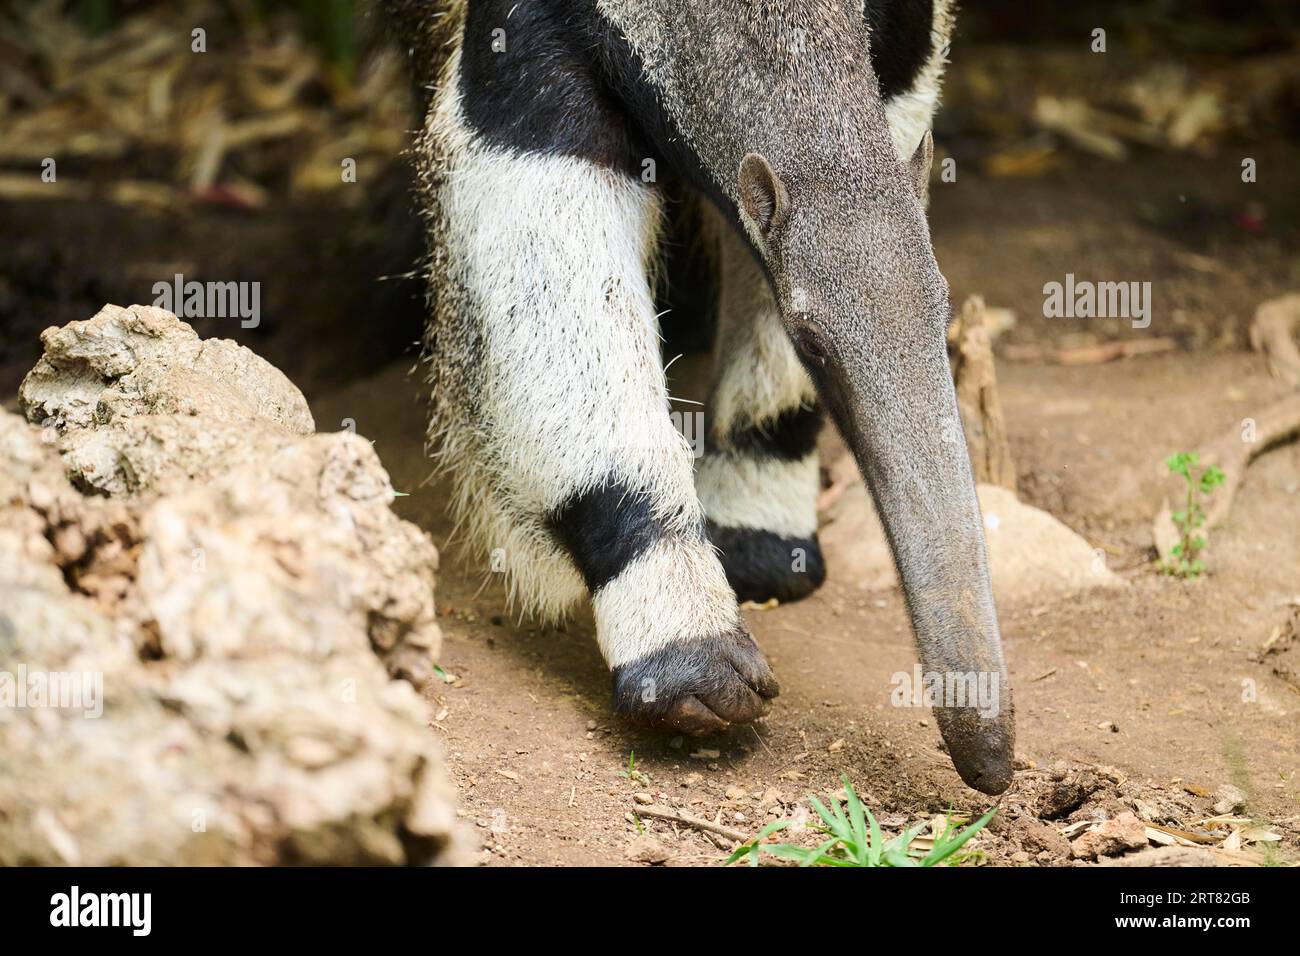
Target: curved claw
{"points": [[697, 687]]}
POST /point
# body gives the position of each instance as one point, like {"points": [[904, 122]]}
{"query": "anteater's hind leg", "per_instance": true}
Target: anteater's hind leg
{"points": [[551, 413], [758, 481]]}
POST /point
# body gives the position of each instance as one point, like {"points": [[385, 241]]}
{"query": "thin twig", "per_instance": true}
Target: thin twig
{"points": [[686, 820]]}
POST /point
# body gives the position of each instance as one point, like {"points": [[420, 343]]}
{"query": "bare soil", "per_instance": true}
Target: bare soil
{"points": [[1174, 667], [1149, 698], [539, 758]]}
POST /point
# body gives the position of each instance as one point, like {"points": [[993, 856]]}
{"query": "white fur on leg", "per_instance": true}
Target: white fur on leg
{"points": [[758, 374], [764, 494], [911, 112], [552, 382], [674, 591], [758, 378]]}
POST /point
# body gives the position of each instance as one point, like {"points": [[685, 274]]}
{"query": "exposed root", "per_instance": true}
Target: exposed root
{"points": [[1273, 332], [1233, 451], [663, 813]]}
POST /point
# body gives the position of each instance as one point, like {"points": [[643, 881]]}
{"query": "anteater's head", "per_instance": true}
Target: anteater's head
{"points": [[848, 251]]}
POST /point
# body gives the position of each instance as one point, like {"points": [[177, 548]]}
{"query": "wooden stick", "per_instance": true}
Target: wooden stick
{"points": [[662, 813], [971, 351], [1273, 332]]}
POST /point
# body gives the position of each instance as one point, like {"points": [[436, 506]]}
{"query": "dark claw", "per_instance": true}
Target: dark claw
{"points": [[697, 686]]}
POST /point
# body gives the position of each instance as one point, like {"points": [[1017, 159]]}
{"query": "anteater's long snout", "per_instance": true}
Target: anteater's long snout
{"points": [[897, 409]]}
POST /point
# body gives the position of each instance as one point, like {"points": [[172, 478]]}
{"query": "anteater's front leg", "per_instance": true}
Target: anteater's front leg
{"points": [[551, 412], [759, 480]]}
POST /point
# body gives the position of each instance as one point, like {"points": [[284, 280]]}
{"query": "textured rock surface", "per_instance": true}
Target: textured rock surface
{"points": [[1031, 554], [1111, 837], [141, 403], [238, 596]]}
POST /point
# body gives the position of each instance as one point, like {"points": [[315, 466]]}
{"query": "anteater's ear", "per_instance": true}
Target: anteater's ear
{"points": [[762, 195], [919, 167]]}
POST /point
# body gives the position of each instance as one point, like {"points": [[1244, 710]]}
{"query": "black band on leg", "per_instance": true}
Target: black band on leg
{"points": [[606, 529], [762, 565]]}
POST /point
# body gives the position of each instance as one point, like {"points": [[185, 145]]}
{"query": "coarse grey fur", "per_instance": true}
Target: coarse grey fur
{"points": [[779, 105]]}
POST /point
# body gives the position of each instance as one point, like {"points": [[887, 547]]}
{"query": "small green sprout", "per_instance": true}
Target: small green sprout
{"points": [[633, 774], [854, 839], [1186, 560]]}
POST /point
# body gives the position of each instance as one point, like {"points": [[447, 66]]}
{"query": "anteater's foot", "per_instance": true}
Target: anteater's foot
{"points": [[696, 686]]}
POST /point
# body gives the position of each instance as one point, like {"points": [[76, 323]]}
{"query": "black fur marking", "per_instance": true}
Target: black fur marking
{"points": [[759, 563], [623, 74], [900, 41], [540, 93], [570, 83], [604, 530], [726, 672], [791, 436]]}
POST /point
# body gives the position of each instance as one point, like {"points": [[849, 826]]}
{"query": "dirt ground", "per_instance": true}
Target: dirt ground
{"points": [[1175, 667], [1152, 698], [539, 758], [541, 763]]}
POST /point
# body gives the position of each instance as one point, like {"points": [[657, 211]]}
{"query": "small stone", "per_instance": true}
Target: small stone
{"points": [[1108, 726], [646, 849], [592, 725], [643, 798], [1110, 838], [836, 746], [1020, 856], [1230, 799]]}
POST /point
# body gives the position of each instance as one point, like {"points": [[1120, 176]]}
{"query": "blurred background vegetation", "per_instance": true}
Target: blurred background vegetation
{"points": [[230, 164]]}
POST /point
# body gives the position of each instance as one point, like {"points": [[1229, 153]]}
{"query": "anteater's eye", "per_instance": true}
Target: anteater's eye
{"points": [[807, 339]]}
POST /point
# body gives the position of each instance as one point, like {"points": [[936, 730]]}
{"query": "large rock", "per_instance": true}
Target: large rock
{"points": [[228, 595], [1031, 554], [141, 403]]}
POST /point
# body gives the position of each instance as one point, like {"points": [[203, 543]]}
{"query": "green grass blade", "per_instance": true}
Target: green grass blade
{"points": [[856, 814], [835, 824], [877, 842], [754, 846], [942, 851]]}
